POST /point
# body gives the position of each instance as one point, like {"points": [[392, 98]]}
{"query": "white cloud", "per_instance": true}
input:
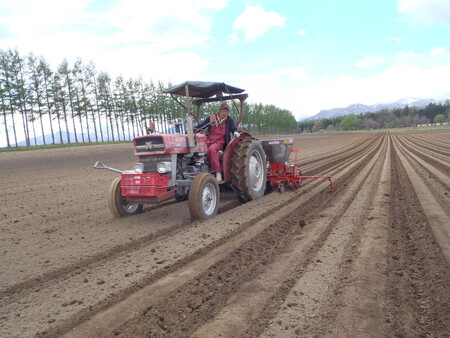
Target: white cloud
{"points": [[369, 61], [438, 51], [233, 37], [255, 22], [434, 57], [131, 37], [208, 4], [427, 11], [170, 24], [406, 57], [302, 32], [44, 13], [408, 53], [306, 98], [402, 81], [143, 61]]}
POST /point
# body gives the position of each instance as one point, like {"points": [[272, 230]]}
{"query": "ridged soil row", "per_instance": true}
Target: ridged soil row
{"points": [[337, 163], [435, 175], [337, 157], [327, 155], [143, 260], [438, 139], [418, 255], [321, 292], [34, 284], [441, 148], [283, 298], [440, 161], [186, 307]]}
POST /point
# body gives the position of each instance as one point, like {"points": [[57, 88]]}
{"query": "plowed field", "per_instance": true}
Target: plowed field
{"points": [[370, 259]]}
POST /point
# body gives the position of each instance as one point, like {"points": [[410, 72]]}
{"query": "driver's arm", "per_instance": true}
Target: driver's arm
{"points": [[204, 123]]}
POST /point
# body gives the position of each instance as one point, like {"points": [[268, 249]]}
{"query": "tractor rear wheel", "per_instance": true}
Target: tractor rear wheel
{"points": [[204, 196], [249, 170], [118, 204]]}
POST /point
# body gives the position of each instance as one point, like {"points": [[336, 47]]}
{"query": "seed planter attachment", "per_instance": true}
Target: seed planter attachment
{"points": [[280, 172]]}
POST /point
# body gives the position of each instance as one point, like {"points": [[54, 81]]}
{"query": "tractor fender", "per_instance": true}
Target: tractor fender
{"points": [[228, 154]]}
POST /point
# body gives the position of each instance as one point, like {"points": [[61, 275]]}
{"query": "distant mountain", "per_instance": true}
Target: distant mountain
{"points": [[362, 108]]}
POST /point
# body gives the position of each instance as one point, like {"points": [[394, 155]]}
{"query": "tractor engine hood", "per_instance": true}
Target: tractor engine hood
{"points": [[160, 144]]}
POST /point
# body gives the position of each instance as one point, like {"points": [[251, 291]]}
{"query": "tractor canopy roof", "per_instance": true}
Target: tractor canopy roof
{"points": [[203, 89]]}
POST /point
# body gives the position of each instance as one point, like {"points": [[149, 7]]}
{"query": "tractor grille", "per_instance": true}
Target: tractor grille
{"points": [[151, 161], [149, 144]]}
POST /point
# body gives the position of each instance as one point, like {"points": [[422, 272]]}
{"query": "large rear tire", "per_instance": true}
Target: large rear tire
{"points": [[204, 197], [249, 170], [118, 203]]}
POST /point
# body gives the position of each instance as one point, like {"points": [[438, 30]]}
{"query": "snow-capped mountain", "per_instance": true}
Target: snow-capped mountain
{"points": [[362, 108]]}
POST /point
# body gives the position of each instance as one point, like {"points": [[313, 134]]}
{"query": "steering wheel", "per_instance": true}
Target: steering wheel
{"points": [[203, 130]]}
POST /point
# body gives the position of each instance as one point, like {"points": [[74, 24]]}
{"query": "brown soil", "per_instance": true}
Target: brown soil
{"points": [[370, 259]]}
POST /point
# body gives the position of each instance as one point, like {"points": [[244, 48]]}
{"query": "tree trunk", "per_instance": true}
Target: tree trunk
{"points": [[8, 144]]}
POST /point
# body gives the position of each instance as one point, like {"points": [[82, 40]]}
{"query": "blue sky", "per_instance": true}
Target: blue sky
{"points": [[303, 56]]}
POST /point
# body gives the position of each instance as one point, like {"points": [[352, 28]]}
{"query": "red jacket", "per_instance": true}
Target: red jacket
{"points": [[231, 128]]}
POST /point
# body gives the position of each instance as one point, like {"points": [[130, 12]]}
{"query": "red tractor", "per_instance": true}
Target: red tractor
{"points": [[175, 166]]}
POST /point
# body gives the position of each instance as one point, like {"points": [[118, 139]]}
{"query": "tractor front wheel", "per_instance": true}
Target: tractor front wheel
{"points": [[118, 204], [204, 196], [248, 170]]}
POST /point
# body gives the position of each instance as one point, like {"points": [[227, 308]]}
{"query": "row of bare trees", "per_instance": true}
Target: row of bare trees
{"points": [[77, 104]]}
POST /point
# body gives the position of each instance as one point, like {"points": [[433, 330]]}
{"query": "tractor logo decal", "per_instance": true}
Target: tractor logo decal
{"points": [[149, 145]]}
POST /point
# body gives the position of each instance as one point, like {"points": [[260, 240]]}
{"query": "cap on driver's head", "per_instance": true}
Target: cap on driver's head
{"points": [[225, 105]]}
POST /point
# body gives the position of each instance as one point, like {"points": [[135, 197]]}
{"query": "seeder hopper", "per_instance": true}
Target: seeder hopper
{"points": [[281, 172]]}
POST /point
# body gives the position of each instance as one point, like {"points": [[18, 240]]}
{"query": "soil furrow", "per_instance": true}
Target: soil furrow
{"points": [[356, 149], [437, 182], [433, 141], [442, 164], [435, 214], [418, 276], [250, 309], [436, 149], [133, 277], [242, 263], [369, 259]]}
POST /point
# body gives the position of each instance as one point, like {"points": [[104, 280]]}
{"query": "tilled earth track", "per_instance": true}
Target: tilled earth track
{"points": [[370, 259]]}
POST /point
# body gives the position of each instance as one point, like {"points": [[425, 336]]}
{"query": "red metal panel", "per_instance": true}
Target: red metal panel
{"points": [[174, 144], [152, 199]]}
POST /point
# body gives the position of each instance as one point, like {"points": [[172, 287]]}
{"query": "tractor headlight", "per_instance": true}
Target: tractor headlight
{"points": [[164, 167], [139, 168]]}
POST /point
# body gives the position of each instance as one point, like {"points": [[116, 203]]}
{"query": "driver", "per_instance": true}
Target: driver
{"points": [[220, 127]]}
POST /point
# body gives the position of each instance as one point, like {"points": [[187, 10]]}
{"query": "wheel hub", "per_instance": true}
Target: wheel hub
{"points": [[208, 199], [255, 171], [129, 207]]}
